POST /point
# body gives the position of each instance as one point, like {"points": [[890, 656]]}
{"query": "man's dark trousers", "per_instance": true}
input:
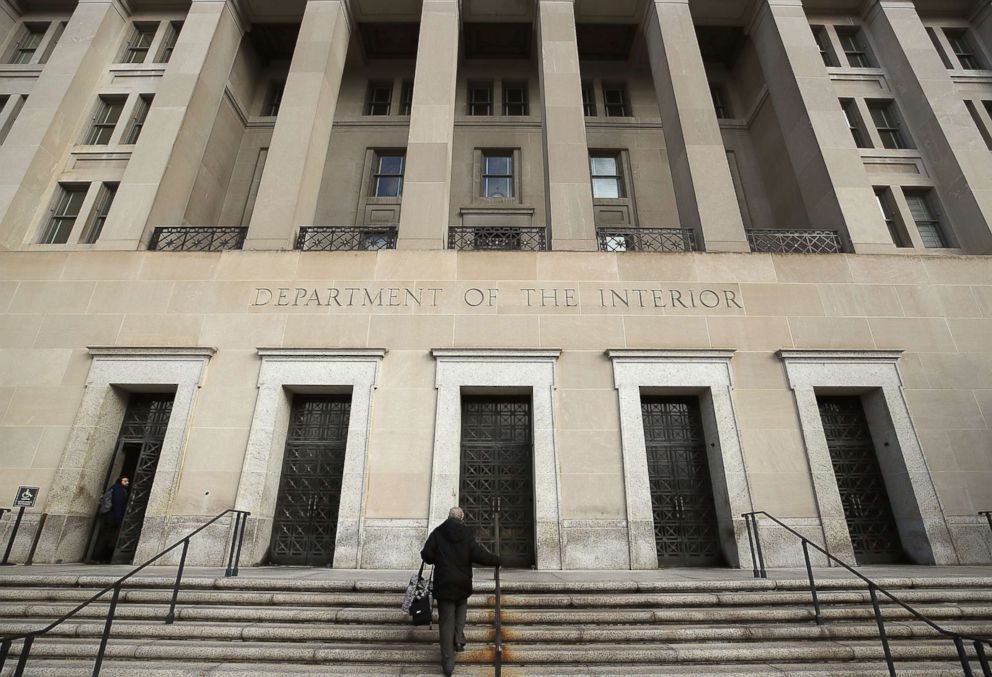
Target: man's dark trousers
{"points": [[451, 626]]}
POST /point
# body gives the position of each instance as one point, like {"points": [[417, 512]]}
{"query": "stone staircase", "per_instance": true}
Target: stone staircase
{"points": [[280, 625]]}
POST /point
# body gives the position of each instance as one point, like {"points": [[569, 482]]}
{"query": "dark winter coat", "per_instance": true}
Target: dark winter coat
{"points": [[118, 503], [452, 549]]}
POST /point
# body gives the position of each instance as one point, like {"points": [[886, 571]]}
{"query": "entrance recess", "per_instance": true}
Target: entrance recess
{"points": [[874, 534], [685, 523], [306, 517], [497, 462]]}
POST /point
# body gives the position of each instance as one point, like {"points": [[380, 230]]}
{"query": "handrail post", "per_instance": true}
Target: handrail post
{"points": [[983, 659], [812, 584], [240, 517], [963, 656], [241, 540], [750, 542], [881, 630], [106, 630], [4, 652], [763, 573], [22, 660], [988, 516], [13, 535], [171, 616]]}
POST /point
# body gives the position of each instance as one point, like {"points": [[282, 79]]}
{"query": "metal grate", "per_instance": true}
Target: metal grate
{"points": [[498, 238], [795, 241], [198, 239], [646, 240], [346, 238]]}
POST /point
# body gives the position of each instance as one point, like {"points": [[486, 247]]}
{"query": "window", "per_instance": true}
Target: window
{"points": [[615, 100], [720, 103], [515, 98], [883, 114], [607, 179], [932, 33], [10, 109], [54, 40], [387, 179], [854, 123], [823, 43], [141, 107], [497, 174], [68, 200], [29, 43], [480, 98], [103, 203], [963, 50], [884, 200], [169, 41], [588, 99], [107, 114], [273, 98], [379, 99], [406, 98], [141, 40], [256, 181], [979, 123], [853, 43], [927, 223]]}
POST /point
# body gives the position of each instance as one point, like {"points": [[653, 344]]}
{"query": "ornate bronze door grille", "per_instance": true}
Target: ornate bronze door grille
{"points": [[874, 534], [685, 526], [306, 518], [145, 422], [497, 461]]}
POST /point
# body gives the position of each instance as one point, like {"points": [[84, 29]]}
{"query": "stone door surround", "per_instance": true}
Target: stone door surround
{"points": [[874, 374], [499, 368], [703, 372], [318, 370]]}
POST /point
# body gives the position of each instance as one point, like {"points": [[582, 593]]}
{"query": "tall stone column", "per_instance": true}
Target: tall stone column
{"points": [[287, 195], [427, 183], [160, 175], [566, 151], [938, 120], [50, 118], [704, 188], [832, 179]]}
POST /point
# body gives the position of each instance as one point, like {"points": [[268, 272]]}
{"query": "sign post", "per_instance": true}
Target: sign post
{"points": [[26, 498]]}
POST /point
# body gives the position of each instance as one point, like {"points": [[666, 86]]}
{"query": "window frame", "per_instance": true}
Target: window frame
{"points": [[860, 52], [617, 177], [891, 130], [486, 176], [721, 101], [624, 103], [273, 98], [374, 106], [133, 45], [521, 87], [169, 40], [101, 209], [102, 127], [854, 122], [886, 204], [139, 114], [406, 97], [60, 220], [822, 39], [474, 105], [589, 99], [29, 30], [378, 174], [963, 48], [931, 229]]}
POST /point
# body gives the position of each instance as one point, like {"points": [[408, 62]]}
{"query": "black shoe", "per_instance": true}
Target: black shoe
{"points": [[459, 648]]}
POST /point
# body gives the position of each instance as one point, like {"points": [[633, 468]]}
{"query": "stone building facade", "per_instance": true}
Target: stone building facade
{"points": [[634, 267]]}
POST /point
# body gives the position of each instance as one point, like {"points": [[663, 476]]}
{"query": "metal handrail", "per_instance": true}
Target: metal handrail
{"points": [[498, 620], [758, 561], [988, 516], [234, 555]]}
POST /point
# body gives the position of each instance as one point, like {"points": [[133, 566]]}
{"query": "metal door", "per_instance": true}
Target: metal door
{"points": [[497, 462], [143, 431], [685, 525], [306, 518], [874, 534]]}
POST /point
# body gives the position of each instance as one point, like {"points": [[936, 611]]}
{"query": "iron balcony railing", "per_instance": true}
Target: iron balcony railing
{"points": [[346, 238], [198, 238], [646, 239], [980, 644], [797, 241], [233, 557], [498, 238]]}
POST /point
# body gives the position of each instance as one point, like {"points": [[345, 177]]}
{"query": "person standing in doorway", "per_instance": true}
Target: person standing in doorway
{"points": [[453, 549], [113, 505]]}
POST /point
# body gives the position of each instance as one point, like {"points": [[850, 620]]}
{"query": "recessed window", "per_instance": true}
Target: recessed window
{"points": [[607, 177], [720, 102], [852, 41], [406, 98], [12, 108], [379, 99], [480, 98], [883, 114], [387, 177], [932, 34], [854, 123], [515, 101], [139, 42], [273, 98], [963, 50], [104, 201], [884, 200], [615, 100], [68, 201], [108, 112], [497, 174], [823, 43], [927, 222], [141, 107], [588, 99], [169, 41], [29, 42]]}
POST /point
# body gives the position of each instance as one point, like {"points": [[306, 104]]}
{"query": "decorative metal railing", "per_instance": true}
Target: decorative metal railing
{"points": [[498, 238], [198, 238], [646, 239], [795, 241], [233, 558], [346, 238], [981, 644]]}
